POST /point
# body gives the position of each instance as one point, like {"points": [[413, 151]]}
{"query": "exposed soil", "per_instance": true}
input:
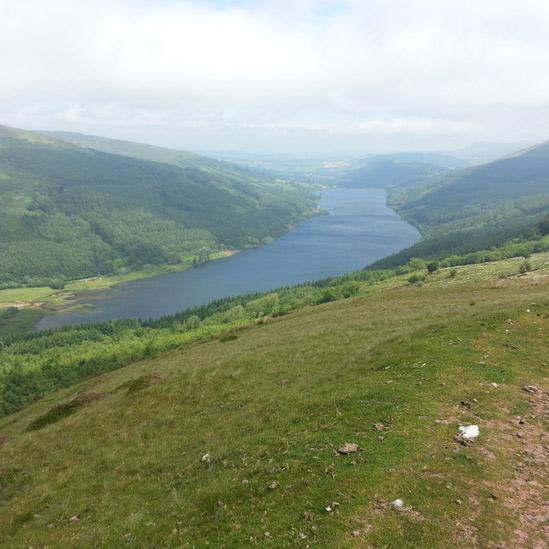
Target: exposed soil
{"points": [[527, 492]]}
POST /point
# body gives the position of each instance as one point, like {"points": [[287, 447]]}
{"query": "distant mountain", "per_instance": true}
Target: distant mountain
{"points": [[441, 160], [486, 151], [141, 151], [153, 153], [69, 212], [400, 169], [516, 186]]}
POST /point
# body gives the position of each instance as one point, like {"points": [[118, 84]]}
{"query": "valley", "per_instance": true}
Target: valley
{"points": [[286, 394], [274, 274], [358, 230]]}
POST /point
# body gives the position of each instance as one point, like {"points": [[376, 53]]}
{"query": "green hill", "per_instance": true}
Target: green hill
{"points": [[121, 147], [69, 212], [386, 173], [516, 186], [399, 169], [231, 439]]}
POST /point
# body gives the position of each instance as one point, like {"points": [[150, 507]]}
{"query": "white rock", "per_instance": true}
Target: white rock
{"points": [[469, 432], [493, 384], [206, 458], [398, 504]]}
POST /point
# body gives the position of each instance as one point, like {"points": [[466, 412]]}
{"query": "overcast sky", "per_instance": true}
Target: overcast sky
{"points": [[302, 76]]}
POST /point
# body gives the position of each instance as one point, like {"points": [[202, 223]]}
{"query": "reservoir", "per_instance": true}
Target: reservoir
{"points": [[359, 229]]}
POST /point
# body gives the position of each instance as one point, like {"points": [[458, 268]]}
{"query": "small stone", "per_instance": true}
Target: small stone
{"points": [[521, 434], [332, 506], [349, 448], [74, 519], [458, 501], [273, 485], [206, 458], [355, 533], [469, 432], [379, 426], [398, 504]]}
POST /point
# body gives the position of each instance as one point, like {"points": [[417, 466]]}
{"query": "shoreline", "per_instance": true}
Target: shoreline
{"points": [[49, 301], [46, 300]]}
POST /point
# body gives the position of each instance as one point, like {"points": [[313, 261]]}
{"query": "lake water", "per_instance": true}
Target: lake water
{"points": [[359, 230]]}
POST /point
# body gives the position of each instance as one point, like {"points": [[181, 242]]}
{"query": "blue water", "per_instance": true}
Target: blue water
{"points": [[359, 230]]}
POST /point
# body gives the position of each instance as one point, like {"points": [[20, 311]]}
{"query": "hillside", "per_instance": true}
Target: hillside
{"points": [[486, 151], [233, 441], [386, 173], [398, 170], [514, 187], [142, 151], [69, 212]]}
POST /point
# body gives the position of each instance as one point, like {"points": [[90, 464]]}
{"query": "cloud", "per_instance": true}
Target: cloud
{"points": [[136, 68]]}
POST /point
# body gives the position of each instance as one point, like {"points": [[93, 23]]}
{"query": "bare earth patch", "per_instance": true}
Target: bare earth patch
{"points": [[527, 493]]}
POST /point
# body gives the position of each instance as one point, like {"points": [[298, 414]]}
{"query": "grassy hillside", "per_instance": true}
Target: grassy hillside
{"points": [[142, 151], [68, 212], [516, 186], [515, 237], [121, 147], [233, 441], [38, 363]]}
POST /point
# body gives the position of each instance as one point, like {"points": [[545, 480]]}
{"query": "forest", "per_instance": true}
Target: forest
{"points": [[67, 212]]}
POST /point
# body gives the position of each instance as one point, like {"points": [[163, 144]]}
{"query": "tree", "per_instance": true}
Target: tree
{"points": [[432, 267], [543, 226], [417, 264]]}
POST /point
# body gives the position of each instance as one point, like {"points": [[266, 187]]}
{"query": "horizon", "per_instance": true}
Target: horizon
{"points": [[513, 146]]}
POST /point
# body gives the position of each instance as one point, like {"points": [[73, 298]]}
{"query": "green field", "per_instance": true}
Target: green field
{"points": [[118, 460]]}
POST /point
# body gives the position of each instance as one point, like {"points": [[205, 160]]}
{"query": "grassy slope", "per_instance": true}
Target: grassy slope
{"points": [[272, 405], [516, 186]]}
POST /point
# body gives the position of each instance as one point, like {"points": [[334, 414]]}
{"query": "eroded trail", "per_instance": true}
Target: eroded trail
{"points": [[527, 492]]}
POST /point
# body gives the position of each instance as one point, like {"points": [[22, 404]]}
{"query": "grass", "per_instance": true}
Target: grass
{"points": [[271, 407]]}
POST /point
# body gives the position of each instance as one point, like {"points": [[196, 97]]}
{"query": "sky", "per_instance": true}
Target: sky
{"points": [[304, 77]]}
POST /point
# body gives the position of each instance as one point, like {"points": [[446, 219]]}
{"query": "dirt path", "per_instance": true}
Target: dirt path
{"points": [[527, 491]]}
